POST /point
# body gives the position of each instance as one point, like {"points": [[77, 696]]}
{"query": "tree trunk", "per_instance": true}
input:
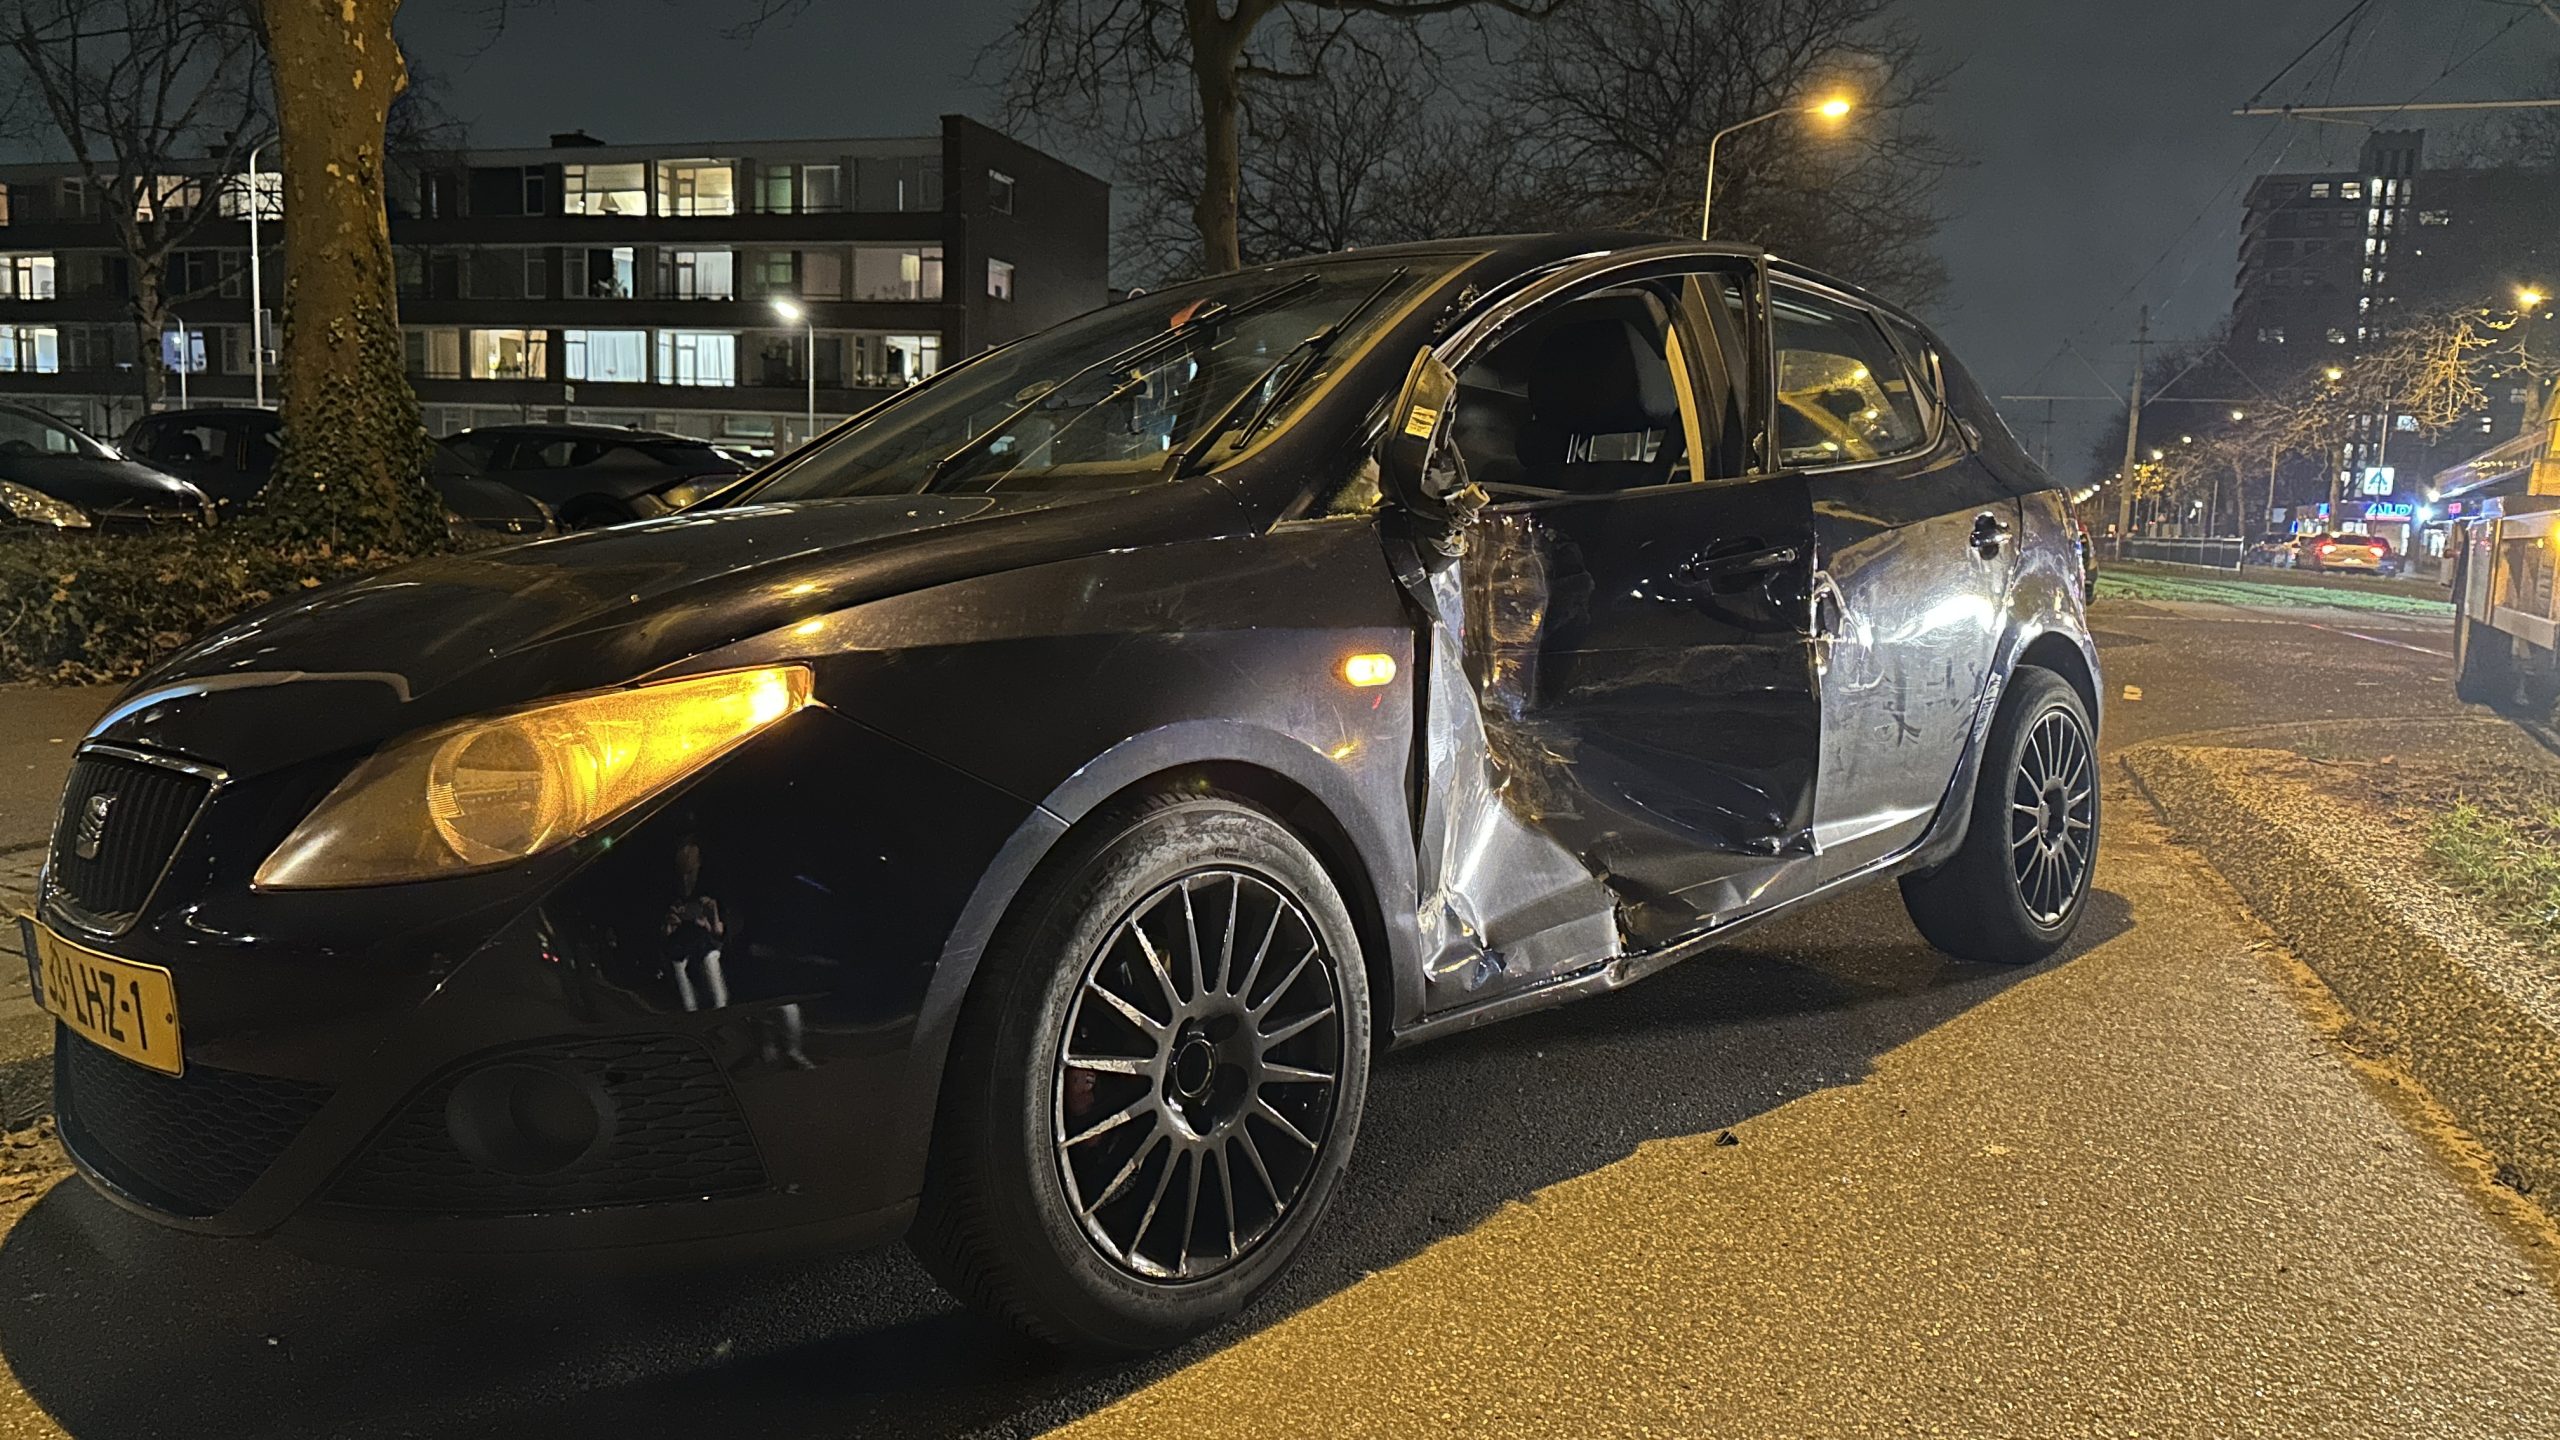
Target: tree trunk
{"points": [[352, 471], [1217, 47], [150, 316]]}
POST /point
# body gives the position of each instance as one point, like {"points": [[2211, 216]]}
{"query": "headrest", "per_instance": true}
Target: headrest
{"points": [[1602, 377]]}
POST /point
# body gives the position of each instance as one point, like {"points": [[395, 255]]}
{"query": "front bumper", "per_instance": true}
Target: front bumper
{"points": [[696, 1035]]}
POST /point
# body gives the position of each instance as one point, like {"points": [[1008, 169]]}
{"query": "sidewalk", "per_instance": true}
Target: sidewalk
{"points": [[39, 727]]}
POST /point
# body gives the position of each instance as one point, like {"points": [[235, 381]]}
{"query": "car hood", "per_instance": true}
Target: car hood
{"points": [[97, 483], [354, 664]]}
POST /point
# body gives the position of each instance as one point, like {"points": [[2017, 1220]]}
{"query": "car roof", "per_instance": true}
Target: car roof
{"points": [[1544, 248], [575, 432], [203, 413]]}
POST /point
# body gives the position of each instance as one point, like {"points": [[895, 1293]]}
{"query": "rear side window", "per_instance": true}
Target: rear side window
{"points": [[1844, 395]]}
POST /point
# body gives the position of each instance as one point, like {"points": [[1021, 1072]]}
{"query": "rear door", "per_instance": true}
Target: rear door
{"points": [[1916, 538]]}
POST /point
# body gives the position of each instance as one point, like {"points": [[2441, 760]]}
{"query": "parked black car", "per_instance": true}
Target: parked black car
{"points": [[54, 476], [1016, 821], [600, 474], [229, 453]]}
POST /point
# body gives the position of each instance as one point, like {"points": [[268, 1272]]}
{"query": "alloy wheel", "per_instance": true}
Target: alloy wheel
{"points": [[1195, 1089], [2052, 817]]}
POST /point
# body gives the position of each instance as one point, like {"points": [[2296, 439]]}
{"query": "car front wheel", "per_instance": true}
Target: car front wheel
{"points": [[1155, 1083], [2015, 891]]}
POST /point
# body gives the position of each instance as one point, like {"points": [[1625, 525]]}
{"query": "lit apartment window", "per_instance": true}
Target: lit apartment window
{"points": [[702, 275], [31, 349], [604, 189], [4, 204], [599, 274], [2350, 189], [695, 187], [1000, 279], [2319, 189], [2435, 217], [1000, 192], [27, 277], [697, 357], [234, 199], [2337, 336], [891, 361], [510, 355], [775, 272], [606, 357], [157, 196], [907, 273], [435, 352]]}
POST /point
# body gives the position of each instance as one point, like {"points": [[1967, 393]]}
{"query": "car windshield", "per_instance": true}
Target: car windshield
{"points": [[24, 432], [1118, 397]]}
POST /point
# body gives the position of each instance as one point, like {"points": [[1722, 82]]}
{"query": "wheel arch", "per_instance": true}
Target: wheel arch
{"points": [[2053, 650], [1302, 790]]}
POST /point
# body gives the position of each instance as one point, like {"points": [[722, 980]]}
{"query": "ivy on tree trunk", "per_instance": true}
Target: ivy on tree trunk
{"points": [[352, 472]]}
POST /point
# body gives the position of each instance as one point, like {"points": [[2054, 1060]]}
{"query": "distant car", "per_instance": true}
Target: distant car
{"points": [[54, 476], [2367, 554], [2276, 551], [594, 475], [229, 454]]}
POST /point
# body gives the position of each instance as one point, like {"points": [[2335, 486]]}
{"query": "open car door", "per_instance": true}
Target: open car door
{"points": [[1631, 624]]}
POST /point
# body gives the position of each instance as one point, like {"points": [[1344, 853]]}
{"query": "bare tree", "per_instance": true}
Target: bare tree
{"points": [[352, 471], [1122, 65], [1374, 148], [1627, 93], [158, 102]]}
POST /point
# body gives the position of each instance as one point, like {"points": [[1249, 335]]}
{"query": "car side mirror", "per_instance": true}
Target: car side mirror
{"points": [[1415, 433]]}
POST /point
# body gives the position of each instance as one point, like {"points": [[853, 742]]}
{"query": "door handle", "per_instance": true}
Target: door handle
{"points": [[1728, 559], [1989, 533]]}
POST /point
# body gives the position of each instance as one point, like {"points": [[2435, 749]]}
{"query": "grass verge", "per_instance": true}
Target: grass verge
{"points": [[2509, 865]]}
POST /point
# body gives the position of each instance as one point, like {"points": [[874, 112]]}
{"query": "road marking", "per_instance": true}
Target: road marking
{"points": [[2378, 640]]}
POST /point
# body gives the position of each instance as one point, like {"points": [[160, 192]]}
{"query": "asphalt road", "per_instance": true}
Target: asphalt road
{"points": [[2141, 1189]]}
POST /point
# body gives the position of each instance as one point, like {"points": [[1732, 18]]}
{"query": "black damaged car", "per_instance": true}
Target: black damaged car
{"points": [[1015, 821]]}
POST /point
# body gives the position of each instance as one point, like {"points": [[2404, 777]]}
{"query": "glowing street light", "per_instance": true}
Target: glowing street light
{"points": [[2333, 374], [1834, 108], [2528, 297], [2239, 414], [792, 313]]}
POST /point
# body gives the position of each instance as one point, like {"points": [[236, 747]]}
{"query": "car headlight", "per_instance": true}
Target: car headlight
{"points": [[487, 792], [686, 492], [38, 508]]}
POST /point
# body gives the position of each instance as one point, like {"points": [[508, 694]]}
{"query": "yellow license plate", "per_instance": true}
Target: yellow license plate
{"points": [[116, 1004]]}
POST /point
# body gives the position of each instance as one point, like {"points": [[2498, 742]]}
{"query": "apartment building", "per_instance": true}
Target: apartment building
{"points": [[696, 287], [2328, 260]]}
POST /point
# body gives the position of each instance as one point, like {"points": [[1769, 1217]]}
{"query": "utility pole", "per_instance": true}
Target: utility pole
{"points": [[2132, 436]]}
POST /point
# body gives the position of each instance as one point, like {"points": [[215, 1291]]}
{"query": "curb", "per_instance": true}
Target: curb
{"points": [[2472, 1015]]}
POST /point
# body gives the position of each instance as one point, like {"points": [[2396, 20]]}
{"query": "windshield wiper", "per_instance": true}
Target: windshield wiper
{"points": [[1128, 355], [1304, 355]]}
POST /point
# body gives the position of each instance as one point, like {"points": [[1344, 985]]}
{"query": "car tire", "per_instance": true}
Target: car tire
{"points": [[2486, 673], [1023, 1137], [2015, 891]]}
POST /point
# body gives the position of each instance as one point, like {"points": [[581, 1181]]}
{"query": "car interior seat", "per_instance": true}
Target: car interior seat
{"points": [[1583, 403]]}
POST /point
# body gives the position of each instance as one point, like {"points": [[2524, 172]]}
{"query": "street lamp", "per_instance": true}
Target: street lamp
{"points": [[793, 314], [2333, 374], [257, 294], [2528, 297], [2239, 414], [1832, 108]]}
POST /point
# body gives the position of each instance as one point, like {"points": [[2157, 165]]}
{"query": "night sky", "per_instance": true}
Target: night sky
{"points": [[2107, 174]]}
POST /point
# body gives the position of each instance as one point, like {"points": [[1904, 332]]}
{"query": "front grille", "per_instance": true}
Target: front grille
{"points": [[189, 1144], [137, 813], [676, 1134]]}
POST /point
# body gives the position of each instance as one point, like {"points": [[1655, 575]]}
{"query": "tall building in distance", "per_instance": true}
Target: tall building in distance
{"points": [[688, 287], [2328, 260]]}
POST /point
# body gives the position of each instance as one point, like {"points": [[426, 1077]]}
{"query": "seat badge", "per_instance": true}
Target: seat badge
{"points": [[93, 826]]}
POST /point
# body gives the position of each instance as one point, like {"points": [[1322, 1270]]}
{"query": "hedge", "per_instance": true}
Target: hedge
{"points": [[78, 609]]}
